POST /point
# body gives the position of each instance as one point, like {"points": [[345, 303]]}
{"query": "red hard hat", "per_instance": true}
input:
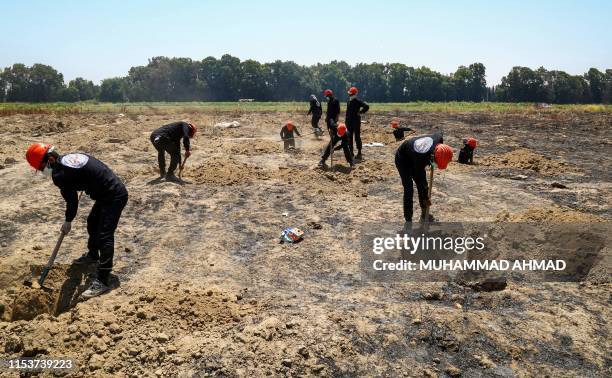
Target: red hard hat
{"points": [[472, 142], [352, 91], [36, 155], [443, 154], [192, 129], [341, 129], [289, 125], [328, 92], [394, 124]]}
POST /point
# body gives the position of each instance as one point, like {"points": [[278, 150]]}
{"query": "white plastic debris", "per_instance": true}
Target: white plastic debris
{"points": [[374, 144], [228, 125]]}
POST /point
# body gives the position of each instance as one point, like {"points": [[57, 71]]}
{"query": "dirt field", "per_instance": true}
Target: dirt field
{"points": [[205, 288]]}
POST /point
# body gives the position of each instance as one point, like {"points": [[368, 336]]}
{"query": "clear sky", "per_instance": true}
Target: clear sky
{"points": [[100, 39]]}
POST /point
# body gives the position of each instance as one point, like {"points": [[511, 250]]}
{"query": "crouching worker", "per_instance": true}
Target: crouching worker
{"points": [[287, 136], [411, 159], [168, 139], [77, 172], [340, 134], [398, 132], [466, 154]]}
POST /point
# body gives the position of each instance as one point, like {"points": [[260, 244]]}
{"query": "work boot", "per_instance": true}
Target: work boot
{"points": [[406, 229], [172, 178], [96, 287], [321, 164], [430, 218], [86, 259], [358, 156]]}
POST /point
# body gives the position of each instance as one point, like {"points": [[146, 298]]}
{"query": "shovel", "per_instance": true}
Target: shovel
{"points": [[49, 265], [429, 190], [181, 167], [47, 268], [331, 150]]}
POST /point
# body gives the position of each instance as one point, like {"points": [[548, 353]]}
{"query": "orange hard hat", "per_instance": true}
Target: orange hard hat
{"points": [[289, 125], [443, 154], [341, 129], [352, 91], [192, 129], [36, 155], [472, 142], [328, 92], [394, 124]]}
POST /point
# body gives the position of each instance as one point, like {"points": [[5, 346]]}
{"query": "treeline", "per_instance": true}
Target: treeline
{"points": [[229, 79]]}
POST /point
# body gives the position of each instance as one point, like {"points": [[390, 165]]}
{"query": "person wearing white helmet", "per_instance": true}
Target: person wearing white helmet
{"points": [[316, 110]]}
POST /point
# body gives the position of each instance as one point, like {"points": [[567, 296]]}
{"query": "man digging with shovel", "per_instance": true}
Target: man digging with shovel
{"points": [[411, 160], [168, 139], [77, 172]]}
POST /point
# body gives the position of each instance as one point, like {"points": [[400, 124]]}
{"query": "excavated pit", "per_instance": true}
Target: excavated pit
{"points": [[61, 290]]}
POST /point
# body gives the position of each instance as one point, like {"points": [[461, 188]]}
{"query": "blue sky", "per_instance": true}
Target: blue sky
{"points": [[99, 39]]}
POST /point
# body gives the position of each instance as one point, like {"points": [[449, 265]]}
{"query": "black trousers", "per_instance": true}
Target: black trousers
{"points": [[347, 152], [163, 145], [314, 121], [101, 225], [354, 127], [409, 174], [289, 143]]}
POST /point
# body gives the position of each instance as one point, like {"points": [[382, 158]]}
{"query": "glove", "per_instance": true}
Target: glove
{"points": [[187, 154], [66, 227]]}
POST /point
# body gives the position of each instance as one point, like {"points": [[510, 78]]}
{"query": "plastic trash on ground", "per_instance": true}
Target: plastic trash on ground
{"points": [[291, 235], [228, 125]]}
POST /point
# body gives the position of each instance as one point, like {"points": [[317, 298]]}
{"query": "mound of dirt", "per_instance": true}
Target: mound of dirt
{"points": [[526, 159], [549, 214], [223, 172], [27, 300], [146, 334]]}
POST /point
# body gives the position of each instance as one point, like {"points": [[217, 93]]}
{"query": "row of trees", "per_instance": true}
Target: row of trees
{"points": [[229, 79]]}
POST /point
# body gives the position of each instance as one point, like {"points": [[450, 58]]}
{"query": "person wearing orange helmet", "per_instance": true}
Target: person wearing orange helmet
{"points": [[168, 139], [411, 160], [339, 134], [355, 107], [77, 172], [333, 110], [287, 136], [398, 132], [466, 154]]}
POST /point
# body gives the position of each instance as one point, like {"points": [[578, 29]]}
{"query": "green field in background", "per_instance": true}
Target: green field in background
{"points": [[194, 107]]}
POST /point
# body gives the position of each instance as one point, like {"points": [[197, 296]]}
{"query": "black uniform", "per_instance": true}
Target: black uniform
{"points": [[344, 143], [168, 139], [316, 110], [287, 136], [333, 111], [411, 159], [354, 109], [77, 172], [398, 132], [466, 155]]}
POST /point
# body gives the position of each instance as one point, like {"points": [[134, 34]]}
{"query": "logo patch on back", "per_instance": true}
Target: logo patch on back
{"points": [[75, 160], [422, 145]]}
